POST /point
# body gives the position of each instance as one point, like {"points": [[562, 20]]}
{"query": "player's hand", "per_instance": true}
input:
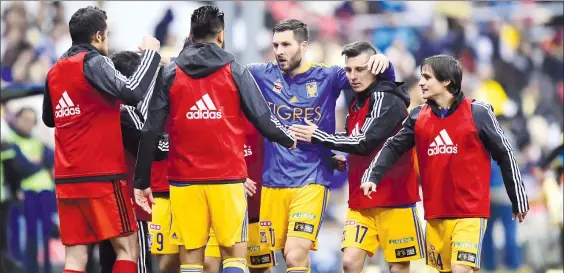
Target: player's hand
{"points": [[250, 187], [368, 188], [143, 197], [150, 43], [340, 162], [293, 135], [304, 132], [164, 61], [378, 63], [520, 216]]}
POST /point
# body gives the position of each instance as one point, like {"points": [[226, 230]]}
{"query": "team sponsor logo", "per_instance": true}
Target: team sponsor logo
{"points": [[253, 248], [155, 227], [311, 88], [66, 107], [406, 252], [401, 241], [350, 223], [303, 227], [304, 216], [150, 238], [204, 109], [261, 259], [265, 223], [263, 238], [293, 113], [174, 236], [294, 99], [463, 256], [466, 245], [442, 144], [277, 87]]}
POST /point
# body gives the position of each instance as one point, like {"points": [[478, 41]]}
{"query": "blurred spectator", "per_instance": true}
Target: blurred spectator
{"points": [[38, 190]]}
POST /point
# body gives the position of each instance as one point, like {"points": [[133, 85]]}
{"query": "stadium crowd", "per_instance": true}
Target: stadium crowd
{"points": [[512, 54]]}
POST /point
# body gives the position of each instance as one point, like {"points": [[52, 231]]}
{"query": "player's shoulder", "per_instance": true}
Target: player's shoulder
{"points": [[324, 67], [481, 106], [261, 67], [414, 112]]}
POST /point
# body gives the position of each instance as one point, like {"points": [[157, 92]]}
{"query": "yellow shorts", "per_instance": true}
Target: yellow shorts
{"points": [[454, 241], [258, 255], [291, 212], [159, 228], [198, 208], [159, 231], [397, 230]]}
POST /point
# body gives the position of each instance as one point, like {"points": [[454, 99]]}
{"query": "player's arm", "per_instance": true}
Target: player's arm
{"points": [[100, 72], [256, 109], [131, 126], [393, 149], [47, 115], [495, 141], [384, 115], [157, 115]]}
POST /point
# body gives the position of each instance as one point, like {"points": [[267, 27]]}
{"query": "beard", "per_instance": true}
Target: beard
{"points": [[293, 63]]}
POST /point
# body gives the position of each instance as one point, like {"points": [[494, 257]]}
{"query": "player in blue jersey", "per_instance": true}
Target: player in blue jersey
{"points": [[295, 183]]}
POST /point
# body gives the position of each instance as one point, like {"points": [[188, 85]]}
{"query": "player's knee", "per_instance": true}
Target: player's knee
{"points": [[399, 267], [76, 258], [459, 268], [127, 247], [296, 256], [169, 263], [211, 264], [352, 264]]}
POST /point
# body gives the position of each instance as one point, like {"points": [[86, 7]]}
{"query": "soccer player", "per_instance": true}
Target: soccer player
{"points": [[82, 102], [295, 184], [259, 258], [453, 137], [131, 120], [205, 94], [388, 219]]}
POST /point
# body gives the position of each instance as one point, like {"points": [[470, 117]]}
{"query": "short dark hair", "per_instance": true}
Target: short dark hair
{"points": [[206, 22], [85, 22], [445, 68], [126, 62], [356, 48], [299, 28]]}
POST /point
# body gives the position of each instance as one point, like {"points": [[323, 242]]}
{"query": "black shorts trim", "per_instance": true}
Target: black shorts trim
{"points": [[95, 178]]}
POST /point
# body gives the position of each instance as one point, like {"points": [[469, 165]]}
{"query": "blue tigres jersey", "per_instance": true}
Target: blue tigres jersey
{"points": [[311, 94]]}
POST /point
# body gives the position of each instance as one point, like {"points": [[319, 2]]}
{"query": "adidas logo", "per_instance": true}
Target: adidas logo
{"points": [[204, 109], [294, 99], [442, 145], [66, 107], [356, 130]]}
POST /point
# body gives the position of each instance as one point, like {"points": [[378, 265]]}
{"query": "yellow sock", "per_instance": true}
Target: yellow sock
{"points": [[234, 265], [298, 270], [191, 268]]}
